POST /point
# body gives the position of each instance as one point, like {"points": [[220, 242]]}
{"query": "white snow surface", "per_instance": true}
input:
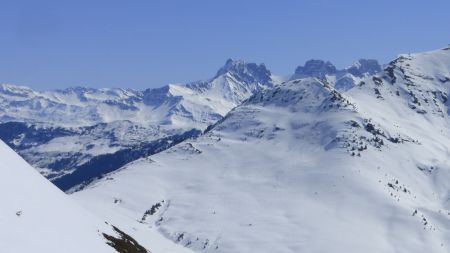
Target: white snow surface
{"points": [[37, 217], [304, 168]]}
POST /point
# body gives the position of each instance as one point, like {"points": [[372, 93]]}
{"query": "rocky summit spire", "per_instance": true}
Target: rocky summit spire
{"points": [[247, 72], [315, 68]]}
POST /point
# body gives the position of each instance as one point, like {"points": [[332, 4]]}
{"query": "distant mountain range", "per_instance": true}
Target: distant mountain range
{"points": [[68, 135], [325, 160]]}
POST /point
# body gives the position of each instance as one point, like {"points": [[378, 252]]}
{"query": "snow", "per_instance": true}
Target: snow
{"points": [[303, 167], [37, 217], [103, 121], [195, 104], [336, 162]]}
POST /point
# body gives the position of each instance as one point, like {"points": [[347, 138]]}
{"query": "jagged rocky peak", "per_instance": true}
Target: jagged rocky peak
{"points": [[341, 79], [246, 72], [315, 68], [320, 69], [364, 67]]}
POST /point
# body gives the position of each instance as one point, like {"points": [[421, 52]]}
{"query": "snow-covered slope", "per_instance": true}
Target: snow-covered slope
{"points": [[303, 167], [60, 132], [35, 216]]}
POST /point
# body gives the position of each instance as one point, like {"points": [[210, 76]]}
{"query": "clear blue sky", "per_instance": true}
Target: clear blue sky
{"points": [[139, 44]]}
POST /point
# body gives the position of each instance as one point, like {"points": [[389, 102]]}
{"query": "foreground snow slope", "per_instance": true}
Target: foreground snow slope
{"points": [[304, 168], [36, 217]]}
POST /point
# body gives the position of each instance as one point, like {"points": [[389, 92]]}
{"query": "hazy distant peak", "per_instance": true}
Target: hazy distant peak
{"points": [[244, 71], [364, 67]]}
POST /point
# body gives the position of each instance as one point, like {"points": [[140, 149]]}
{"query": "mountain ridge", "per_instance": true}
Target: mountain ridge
{"points": [[92, 124], [364, 169]]}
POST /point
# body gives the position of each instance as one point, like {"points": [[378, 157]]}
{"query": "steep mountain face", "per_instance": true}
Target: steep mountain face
{"points": [[304, 167], [343, 79], [203, 103], [78, 130], [37, 217]]}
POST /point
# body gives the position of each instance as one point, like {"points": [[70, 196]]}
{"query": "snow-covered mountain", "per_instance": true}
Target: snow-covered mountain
{"points": [[304, 167], [341, 79], [202, 103], [177, 106], [76, 134]]}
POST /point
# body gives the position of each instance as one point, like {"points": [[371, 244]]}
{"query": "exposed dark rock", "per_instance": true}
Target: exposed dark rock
{"points": [[124, 243]]}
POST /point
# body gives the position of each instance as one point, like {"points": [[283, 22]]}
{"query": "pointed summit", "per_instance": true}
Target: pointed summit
{"points": [[246, 72]]}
